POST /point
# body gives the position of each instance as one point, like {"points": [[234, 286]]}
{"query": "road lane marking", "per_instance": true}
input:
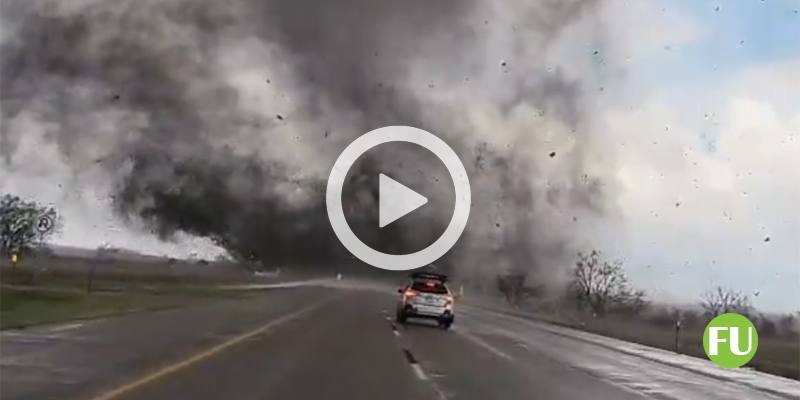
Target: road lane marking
{"points": [[415, 365], [30, 336], [394, 329], [419, 372], [198, 357], [67, 327], [482, 343]]}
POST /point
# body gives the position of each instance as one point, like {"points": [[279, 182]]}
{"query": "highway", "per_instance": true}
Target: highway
{"points": [[328, 343]]}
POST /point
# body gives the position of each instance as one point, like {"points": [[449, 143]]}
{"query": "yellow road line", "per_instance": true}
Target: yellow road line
{"points": [[164, 371]]}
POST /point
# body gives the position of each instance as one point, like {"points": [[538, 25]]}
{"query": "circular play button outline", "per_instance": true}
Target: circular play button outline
{"points": [[398, 262]]}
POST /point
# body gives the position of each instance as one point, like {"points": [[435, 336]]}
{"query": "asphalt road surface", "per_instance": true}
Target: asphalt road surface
{"points": [[324, 343]]}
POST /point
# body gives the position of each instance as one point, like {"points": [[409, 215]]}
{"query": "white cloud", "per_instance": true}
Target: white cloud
{"points": [[702, 193]]}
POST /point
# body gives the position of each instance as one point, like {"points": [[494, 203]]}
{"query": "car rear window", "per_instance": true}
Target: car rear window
{"points": [[429, 287]]}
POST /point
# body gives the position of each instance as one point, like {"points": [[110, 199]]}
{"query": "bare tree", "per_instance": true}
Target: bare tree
{"points": [[602, 286], [765, 325], [24, 224], [721, 300], [629, 301], [790, 324]]}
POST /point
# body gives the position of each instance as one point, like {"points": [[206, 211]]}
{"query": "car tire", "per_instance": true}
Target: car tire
{"points": [[401, 317], [445, 324]]}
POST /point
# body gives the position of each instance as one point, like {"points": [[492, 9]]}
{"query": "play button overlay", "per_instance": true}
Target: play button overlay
{"points": [[397, 200]]}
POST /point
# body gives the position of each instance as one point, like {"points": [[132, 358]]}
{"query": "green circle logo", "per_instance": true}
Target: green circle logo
{"points": [[730, 340]]}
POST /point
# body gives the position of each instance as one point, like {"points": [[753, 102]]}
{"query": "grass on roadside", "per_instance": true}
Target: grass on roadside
{"points": [[26, 306], [41, 294]]}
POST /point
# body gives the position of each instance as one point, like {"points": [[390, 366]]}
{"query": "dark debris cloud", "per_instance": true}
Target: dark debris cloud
{"points": [[186, 154]]}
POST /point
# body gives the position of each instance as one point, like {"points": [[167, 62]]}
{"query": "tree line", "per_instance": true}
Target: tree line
{"points": [[600, 287]]}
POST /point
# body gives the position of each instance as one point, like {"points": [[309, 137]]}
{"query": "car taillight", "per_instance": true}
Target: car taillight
{"points": [[449, 301], [409, 294]]}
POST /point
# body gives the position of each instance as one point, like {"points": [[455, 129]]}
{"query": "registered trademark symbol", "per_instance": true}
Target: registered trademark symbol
{"points": [[44, 224]]}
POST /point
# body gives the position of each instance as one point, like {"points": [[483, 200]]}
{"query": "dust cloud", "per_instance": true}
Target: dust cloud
{"points": [[221, 119]]}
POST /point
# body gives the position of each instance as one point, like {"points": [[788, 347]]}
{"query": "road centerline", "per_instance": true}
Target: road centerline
{"points": [[205, 354]]}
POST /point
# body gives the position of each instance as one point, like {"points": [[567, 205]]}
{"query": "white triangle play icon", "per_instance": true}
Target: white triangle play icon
{"points": [[395, 200]]}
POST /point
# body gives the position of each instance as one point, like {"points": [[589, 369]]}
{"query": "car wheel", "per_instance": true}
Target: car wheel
{"points": [[401, 317], [445, 324]]}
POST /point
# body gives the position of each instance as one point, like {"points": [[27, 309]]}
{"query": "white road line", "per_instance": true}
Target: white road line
{"points": [[394, 329], [30, 336], [67, 327], [483, 343], [419, 372]]}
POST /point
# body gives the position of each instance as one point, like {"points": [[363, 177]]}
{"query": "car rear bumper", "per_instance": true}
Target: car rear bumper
{"points": [[440, 313]]}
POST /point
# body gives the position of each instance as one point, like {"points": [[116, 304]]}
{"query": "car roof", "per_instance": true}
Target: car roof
{"points": [[433, 276]]}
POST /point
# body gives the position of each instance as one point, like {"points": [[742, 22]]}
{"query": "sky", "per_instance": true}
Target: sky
{"points": [[709, 148], [698, 105]]}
